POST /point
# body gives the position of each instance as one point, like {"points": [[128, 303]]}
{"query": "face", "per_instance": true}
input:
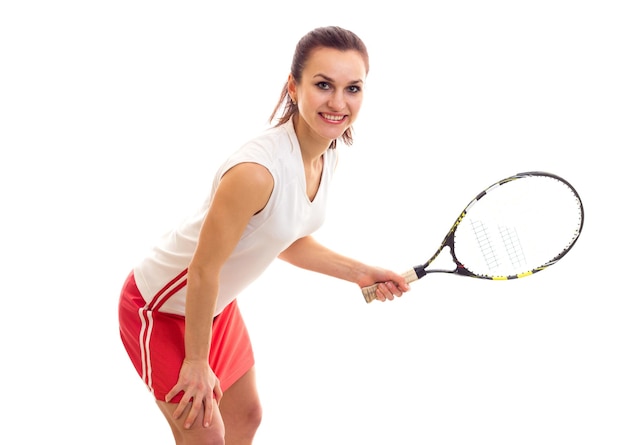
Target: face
{"points": [[330, 94]]}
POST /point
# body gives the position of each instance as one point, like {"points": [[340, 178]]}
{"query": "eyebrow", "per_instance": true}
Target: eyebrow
{"points": [[328, 79]]}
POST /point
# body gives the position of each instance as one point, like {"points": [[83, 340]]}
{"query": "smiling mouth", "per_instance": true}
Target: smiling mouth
{"points": [[332, 117]]}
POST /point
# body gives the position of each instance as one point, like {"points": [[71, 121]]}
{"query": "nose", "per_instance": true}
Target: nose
{"points": [[337, 101]]}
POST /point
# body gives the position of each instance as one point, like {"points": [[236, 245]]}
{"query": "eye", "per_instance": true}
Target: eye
{"points": [[354, 89], [323, 85]]}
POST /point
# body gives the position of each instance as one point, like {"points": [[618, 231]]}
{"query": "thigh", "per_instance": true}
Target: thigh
{"points": [[197, 434], [240, 405]]}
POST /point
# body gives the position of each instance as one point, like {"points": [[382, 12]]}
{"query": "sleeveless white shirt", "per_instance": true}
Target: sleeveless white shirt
{"points": [[289, 215]]}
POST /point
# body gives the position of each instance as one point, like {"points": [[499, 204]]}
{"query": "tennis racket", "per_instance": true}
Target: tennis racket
{"points": [[514, 228]]}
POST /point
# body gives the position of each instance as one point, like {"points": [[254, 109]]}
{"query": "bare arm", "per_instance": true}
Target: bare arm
{"points": [[243, 191], [308, 254]]}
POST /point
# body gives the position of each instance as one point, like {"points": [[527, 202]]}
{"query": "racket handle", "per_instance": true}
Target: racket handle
{"points": [[369, 292]]}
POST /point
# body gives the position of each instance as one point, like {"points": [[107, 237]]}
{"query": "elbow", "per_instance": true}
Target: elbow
{"points": [[201, 273]]}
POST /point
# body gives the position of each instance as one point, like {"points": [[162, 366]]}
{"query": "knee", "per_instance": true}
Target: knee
{"points": [[202, 436], [246, 421], [252, 416], [214, 439], [256, 415]]}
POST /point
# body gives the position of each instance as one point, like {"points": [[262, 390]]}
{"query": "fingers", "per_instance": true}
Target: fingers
{"points": [[197, 387], [387, 291], [182, 404], [209, 407], [197, 405], [217, 391]]}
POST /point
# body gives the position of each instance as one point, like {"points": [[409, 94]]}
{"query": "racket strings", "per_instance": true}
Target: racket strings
{"points": [[484, 243], [510, 242], [512, 246], [517, 227]]}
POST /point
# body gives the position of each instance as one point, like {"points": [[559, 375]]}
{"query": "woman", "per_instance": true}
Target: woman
{"points": [[178, 306]]}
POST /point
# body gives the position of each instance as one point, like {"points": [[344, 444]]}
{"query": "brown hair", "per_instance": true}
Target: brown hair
{"points": [[325, 37]]}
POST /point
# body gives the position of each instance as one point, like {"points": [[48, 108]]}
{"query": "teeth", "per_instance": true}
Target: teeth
{"points": [[331, 117]]}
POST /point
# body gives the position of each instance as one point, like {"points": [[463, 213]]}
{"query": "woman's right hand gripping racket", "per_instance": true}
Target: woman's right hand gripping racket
{"points": [[515, 228]]}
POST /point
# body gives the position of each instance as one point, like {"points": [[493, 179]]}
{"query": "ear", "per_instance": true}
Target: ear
{"points": [[291, 88]]}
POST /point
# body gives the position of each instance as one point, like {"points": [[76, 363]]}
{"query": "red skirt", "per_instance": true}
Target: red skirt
{"points": [[155, 342]]}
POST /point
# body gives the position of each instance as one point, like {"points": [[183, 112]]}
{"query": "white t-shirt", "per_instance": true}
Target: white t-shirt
{"points": [[289, 215]]}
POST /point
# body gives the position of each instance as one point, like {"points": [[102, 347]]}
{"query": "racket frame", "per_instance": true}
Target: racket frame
{"points": [[417, 272]]}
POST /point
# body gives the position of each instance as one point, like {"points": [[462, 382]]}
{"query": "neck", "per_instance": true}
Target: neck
{"points": [[311, 145]]}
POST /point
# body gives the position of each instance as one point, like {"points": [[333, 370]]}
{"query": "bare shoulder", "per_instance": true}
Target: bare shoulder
{"points": [[249, 174], [247, 184]]}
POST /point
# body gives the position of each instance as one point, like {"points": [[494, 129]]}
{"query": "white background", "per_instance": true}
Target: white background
{"points": [[114, 116]]}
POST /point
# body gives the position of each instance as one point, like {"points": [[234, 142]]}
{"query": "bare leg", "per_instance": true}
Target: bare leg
{"points": [[241, 410], [197, 434]]}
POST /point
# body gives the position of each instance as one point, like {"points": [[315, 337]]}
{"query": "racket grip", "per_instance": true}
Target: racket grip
{"points": [[369, 292]]}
